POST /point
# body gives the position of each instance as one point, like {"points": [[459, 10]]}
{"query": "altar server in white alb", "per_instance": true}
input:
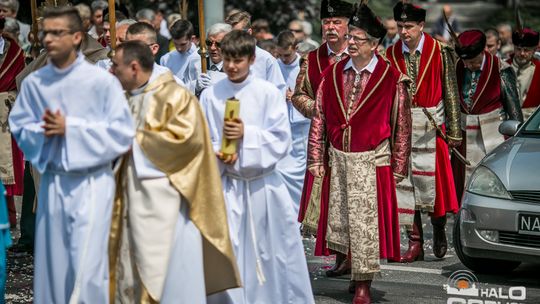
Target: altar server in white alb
{"points": [[169, 196], [293, 167], [184, 61], [262, 222], [71, 119], [265, 65]]}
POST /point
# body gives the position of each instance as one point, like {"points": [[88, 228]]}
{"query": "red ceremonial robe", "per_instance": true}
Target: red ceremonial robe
{"points": [[429, 92], [487, 98], [318, 61], [11, 65], [368, 126], [533, 94]]}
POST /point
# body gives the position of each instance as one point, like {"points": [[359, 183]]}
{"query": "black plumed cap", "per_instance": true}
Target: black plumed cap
{"points": [[409, 12], [364, 18], [335, 8]]}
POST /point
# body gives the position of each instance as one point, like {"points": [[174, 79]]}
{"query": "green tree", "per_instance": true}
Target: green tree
{"points": [[278, 12]]}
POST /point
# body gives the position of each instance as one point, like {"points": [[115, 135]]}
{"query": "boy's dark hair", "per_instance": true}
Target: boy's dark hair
{"points": [[241, 17], [260, 25], [286, 40], [68, 12], [238, 44], [182, 29], [268, 45], [143, 28], [138, 51]]}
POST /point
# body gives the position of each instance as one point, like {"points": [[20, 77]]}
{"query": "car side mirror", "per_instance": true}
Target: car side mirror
{"points": [[509, 127]]}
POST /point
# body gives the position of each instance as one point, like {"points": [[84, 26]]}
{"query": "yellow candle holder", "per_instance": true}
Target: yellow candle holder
{"points": [[232, 111]]}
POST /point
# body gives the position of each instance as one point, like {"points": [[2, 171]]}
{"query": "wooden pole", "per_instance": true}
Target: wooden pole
{"points": [[35, 29], [112, 24], [202, 36]]}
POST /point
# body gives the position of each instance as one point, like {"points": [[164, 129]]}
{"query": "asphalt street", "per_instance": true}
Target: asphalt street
{"points": [[422, 282], [419, 282]]}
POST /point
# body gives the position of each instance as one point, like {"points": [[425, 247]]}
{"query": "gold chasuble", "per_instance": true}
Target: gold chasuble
{"points": [[176, 140]]}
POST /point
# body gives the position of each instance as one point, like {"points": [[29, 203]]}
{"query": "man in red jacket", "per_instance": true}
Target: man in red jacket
{"points": [[430, 185], [527, 69], [11, 158], [361, 138], [488, 94]]}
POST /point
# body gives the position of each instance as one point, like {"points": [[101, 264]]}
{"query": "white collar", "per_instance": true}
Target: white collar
{"points": [[192, 48], [219, 65], [2, 44], [346, 51], [294, 63], [405, 48], [78, 60], [483, 61], [370, 67]]}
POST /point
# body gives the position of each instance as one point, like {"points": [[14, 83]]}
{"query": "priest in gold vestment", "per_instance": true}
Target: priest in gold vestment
{"points": [[169, 240]]}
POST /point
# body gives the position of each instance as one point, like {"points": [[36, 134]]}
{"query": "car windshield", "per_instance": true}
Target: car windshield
{"points": [[532, 125]]}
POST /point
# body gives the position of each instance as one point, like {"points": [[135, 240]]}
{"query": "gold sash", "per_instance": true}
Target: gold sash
{"points": [[7, 174], [353, 210]]}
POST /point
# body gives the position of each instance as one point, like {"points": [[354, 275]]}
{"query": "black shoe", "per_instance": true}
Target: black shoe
{"points": [[20, 250]]}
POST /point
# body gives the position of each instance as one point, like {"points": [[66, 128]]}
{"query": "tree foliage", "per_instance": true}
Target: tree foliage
{"points": [[277, 12]]}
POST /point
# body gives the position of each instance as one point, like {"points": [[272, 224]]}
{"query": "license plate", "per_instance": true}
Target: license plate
{"points": [[529, 224]]}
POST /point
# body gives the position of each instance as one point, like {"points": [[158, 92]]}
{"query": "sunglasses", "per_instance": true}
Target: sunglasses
{"points": [[210, 43], [296, 30]]}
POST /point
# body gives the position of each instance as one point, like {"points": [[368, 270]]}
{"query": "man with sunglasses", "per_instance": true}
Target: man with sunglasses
{"points": [[215, 72], [527, 69], [362, 134], [430, 185], [71, 119]]}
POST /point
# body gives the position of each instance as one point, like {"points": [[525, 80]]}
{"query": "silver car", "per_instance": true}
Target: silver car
{"points": [[498, 226]]}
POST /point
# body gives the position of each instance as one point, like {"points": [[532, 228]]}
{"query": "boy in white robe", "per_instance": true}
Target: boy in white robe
{"points": [[184, 61], [71, 120], [293, 167], [157, 254], [146, 33], [263, 227]]}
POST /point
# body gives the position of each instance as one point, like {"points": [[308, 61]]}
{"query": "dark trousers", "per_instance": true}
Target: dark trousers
{"points": [[28, 217]]}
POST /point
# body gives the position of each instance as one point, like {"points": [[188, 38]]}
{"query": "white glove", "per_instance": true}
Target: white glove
{"points": [[203, 82]]}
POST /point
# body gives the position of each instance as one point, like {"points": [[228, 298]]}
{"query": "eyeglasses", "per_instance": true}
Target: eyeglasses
{"points": [[524, 49], [209, 43], [55, 34], [296, 30], [356, 39]]}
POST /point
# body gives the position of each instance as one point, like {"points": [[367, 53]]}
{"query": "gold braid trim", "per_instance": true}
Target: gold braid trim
{"points": [[452, 103]]}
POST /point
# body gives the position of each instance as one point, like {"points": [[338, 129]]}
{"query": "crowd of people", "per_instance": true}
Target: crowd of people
{"points": [[121, 150]]}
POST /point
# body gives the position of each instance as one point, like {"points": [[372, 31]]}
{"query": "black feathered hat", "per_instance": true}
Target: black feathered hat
{"points": [[409, 12], [364, 18], [335, 8]]}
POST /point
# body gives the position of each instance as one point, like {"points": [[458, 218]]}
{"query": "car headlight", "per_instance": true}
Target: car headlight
{"points": [[485, 182]]}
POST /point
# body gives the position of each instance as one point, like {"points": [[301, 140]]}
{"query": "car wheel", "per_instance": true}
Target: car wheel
{"points": [[481, 265]]}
